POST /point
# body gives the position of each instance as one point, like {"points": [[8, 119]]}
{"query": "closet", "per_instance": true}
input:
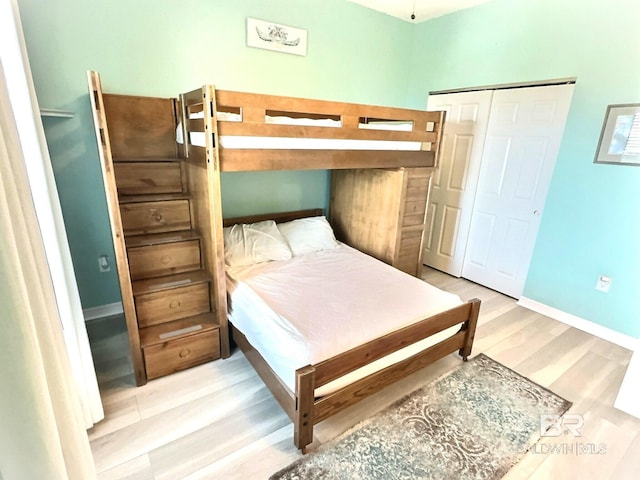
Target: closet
{"points": [[487, 199]]}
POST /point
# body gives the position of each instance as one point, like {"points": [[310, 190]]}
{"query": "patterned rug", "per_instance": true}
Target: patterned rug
{"points": [[475, 422]]}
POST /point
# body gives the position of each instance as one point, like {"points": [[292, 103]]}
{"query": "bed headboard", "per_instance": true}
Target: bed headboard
{"points": [[278, 217]]}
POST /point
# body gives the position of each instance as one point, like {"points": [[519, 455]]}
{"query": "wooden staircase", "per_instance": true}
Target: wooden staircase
{"points": [[170, 298], [170, 287]]}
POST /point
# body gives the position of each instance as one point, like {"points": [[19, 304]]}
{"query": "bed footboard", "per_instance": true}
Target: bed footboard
{"points": [[310, 410], [305, 410]]}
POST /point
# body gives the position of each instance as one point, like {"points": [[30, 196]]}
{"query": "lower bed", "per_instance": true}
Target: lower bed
{"points": [[313, 307], [328, 328]]}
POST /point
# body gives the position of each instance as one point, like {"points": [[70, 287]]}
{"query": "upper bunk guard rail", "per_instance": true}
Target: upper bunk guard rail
{"points": [[191, 103], [395, 137]]}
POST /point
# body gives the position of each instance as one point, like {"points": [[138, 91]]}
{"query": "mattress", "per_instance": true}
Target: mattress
{"points": [[297, 143], [305, 310]]}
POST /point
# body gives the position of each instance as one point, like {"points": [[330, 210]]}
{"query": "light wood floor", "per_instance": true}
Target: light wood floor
{"points": [[219, 421]]}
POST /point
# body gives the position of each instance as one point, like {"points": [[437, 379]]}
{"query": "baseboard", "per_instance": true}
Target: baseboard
{"points": [[588, 326], [102, 311]]}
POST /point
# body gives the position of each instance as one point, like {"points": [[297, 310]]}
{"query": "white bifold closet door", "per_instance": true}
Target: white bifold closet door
{"points": [[454, 183], [492, 241]]}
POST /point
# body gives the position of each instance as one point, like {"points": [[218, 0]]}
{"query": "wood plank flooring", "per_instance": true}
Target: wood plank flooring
{"points": [[219, 421]]}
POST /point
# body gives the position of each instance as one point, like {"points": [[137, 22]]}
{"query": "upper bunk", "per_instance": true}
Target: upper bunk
{"points": [[241, 131], [268, 132]]}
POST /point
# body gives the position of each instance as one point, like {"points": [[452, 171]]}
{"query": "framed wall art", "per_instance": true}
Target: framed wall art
{"points": [[620, 137], [276, 37]]}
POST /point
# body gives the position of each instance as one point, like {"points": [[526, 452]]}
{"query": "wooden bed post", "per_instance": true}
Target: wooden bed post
{"points": [[469, 327], [305, 397], [219, 291]]}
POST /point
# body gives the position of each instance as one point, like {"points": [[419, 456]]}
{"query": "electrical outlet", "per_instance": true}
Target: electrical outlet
{"points": [[103, 263], [603, 283]]}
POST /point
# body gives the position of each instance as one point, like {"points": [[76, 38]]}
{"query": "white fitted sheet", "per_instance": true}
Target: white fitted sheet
{"points": [[310, 308]]}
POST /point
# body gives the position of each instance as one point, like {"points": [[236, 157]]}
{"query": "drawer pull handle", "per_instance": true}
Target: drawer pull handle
{"points": [[165, 259], [174, 304], [184, 353], [157, 216]]}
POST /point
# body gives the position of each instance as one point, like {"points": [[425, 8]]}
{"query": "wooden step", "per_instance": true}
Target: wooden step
{"points": [[125, 199], [161, 238], [168, 282], [177, 329], [155, 217], [169, 305], [148, 178], [153, 261]]}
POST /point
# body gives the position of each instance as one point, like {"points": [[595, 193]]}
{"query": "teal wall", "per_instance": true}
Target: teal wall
{"points": [[165, 47], [591, 223]]}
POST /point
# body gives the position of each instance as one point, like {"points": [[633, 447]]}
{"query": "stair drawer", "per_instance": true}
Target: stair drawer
{"points": [[155, 217], [174, 355], [160, 307], [144, 178], [158, 260]]}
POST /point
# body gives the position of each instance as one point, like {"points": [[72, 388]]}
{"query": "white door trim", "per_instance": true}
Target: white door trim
{"points": [[504, 86]]}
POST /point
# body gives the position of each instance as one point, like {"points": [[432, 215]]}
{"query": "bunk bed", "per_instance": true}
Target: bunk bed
{"points": [[212, 131]]}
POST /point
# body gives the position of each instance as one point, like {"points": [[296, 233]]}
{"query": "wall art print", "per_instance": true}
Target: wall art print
{"points": [[276, 37], [620, 137]]}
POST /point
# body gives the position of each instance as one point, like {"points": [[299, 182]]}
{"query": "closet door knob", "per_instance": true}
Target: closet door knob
{"points": [[536, 212]]}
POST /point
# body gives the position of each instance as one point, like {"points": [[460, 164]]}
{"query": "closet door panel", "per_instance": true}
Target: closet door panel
{"points": [[453, 190], [523, 138]]}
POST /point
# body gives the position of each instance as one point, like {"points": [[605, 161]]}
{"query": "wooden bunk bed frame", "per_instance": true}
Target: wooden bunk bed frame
{"points": [[301, 405]]}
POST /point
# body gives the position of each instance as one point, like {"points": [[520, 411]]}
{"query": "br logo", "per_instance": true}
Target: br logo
{"points": [[557, 425]]}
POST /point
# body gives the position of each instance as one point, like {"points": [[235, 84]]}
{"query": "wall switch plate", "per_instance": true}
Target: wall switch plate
{"points": [[603, 283]]}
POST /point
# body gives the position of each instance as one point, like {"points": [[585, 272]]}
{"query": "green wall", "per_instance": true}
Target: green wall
{"points": [[165, 47], [591, 223]]}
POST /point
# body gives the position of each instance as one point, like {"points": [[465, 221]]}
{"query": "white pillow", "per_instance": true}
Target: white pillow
{"points": [[307, 235], [249, 243]]}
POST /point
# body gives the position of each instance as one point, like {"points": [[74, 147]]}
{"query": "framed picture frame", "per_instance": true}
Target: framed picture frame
{"points": [[276, 37], [619, 142]]}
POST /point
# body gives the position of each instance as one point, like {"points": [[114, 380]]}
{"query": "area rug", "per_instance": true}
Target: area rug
{"points": [[474, 422]]}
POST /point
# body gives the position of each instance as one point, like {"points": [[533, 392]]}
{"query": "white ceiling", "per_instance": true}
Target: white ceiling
{"points": [[424, 9]]}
